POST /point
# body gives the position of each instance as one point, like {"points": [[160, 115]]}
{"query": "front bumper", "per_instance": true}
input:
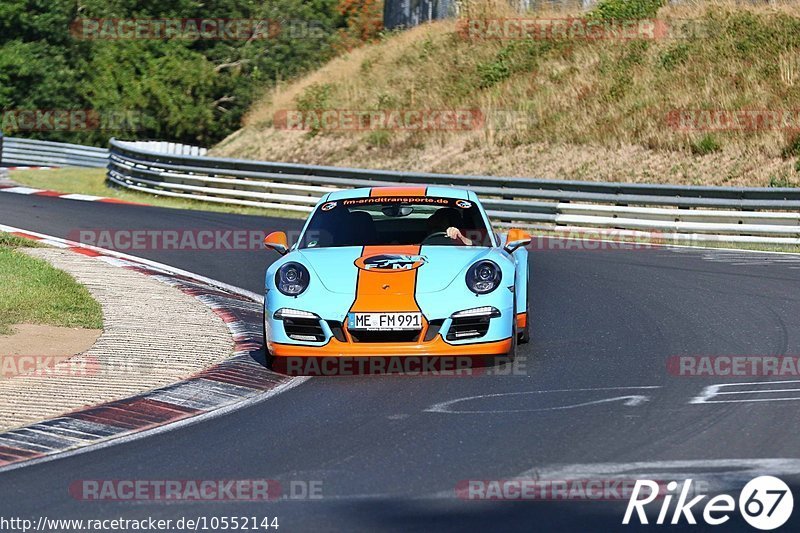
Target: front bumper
{"points": [[497, 340], [435, 348]]}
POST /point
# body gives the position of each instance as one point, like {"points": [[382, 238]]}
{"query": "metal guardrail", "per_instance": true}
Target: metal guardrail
{"points": [[30, 152], [765, 215], [768, 215]]}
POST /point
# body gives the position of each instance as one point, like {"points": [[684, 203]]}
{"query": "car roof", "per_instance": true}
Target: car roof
{"points": [[411, 190]]}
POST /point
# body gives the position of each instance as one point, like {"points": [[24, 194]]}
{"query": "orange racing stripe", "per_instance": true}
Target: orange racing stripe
{"points": [[398, 191], [389, 291]]}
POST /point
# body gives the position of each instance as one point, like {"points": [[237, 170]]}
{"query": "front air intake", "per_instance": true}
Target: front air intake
{"points": [[304, 329], [471, 323]]}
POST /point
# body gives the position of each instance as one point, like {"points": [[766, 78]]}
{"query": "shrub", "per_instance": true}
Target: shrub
{"points": [[378, 139], [493, 72], [674, 57], [706, 145], [779, 181], [315, 97], [792, 148], [625, 9], [363, 20]]}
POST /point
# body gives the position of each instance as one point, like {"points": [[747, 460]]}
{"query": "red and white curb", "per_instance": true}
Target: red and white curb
{"points": [[29, 191], [228, 385]]}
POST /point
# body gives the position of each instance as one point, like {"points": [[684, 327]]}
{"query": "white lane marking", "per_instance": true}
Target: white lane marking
{"points": [[744, 257], [84, 197], [54, 244], [722, 470], [677, 248], [710, 392], [22, 190], [771, 391], [629, 400], [686, 248]]}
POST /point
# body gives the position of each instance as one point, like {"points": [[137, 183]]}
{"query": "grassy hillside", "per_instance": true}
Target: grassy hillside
{"points": [[564, 108]]}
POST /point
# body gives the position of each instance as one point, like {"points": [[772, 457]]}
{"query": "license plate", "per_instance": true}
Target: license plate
{"points": [[384, 321]]}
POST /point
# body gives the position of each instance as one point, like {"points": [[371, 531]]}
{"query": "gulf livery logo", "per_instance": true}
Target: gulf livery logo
{"points": [[463, 204], [328, 206], [390, 262]]}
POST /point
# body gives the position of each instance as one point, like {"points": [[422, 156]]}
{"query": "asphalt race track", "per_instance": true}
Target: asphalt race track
{"points": [[592, 389]]}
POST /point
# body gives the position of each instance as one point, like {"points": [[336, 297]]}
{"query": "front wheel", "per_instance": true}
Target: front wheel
{"points": [[267, 355], [512, 352], [525, 334]]}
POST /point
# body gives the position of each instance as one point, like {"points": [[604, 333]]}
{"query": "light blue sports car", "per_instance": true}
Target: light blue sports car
{"points": [[397, 271]]}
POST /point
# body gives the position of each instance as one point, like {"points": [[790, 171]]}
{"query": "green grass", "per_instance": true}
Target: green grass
{"points": [[11, 241], [33, 292], [93, 181]]}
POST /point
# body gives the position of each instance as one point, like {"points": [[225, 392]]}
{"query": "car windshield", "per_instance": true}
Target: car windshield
{"points": [[379, 221]]}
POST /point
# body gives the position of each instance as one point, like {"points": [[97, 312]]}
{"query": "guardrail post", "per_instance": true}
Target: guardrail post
{"points": [[110, 183]]}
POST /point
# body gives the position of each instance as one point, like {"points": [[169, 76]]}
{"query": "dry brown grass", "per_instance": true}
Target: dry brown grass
{"points": [[591, 109]]}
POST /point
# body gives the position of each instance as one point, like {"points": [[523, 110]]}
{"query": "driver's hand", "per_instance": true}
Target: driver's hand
{"points": [[454, 233]]}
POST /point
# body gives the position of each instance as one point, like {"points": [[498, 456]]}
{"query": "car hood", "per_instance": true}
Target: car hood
{"points": [[436, 266]]}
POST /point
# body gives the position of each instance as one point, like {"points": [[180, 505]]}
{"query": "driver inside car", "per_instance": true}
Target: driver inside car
{"points": [[447, 220]]}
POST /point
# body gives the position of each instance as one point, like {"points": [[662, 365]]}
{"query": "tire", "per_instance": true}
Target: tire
{"points": [[525, 334], [512, 353], [267, 355]]}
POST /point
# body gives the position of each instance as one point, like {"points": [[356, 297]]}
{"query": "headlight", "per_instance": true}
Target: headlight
{"points": [[483, 277], [292, 279]]}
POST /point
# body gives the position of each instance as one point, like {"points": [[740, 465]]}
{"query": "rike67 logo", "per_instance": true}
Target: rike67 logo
{"points": [[765, 503]]}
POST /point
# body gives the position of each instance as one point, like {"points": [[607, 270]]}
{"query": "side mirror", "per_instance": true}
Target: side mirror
{"points": [[277, 241], [517, 238]]}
